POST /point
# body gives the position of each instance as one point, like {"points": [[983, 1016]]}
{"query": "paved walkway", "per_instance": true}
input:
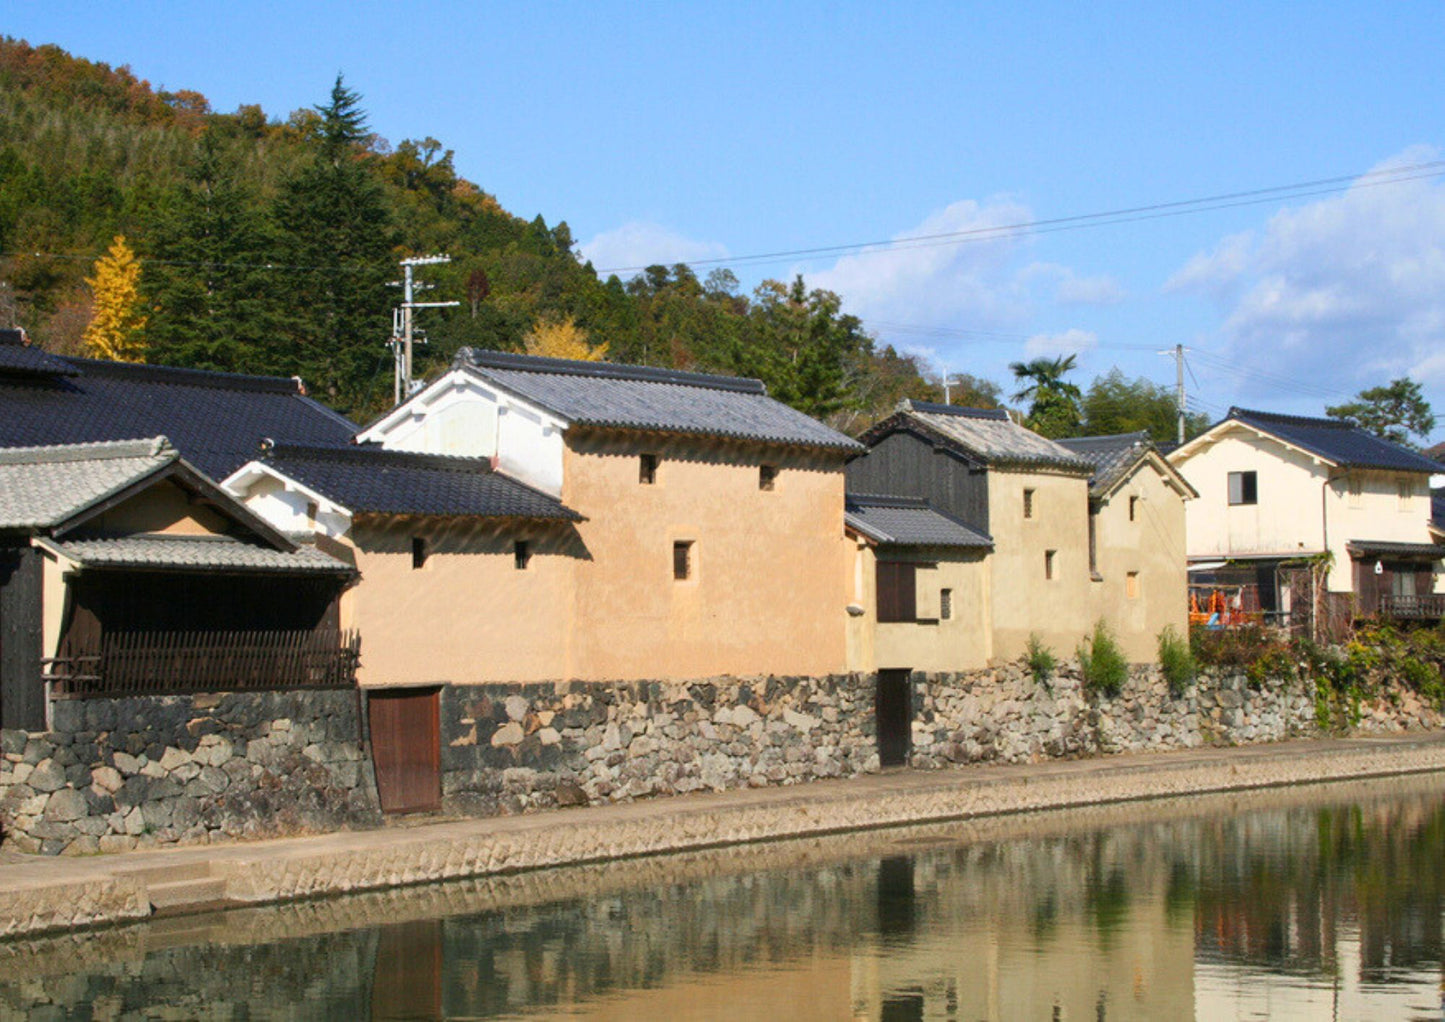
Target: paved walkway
{"points": [[44, 893]]}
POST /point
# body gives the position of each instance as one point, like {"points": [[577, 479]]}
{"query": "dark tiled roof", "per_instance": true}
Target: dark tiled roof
{"points": [[652, 400], [216, 420], [372, 480], [984, 434], [909, 521], [1388, 548], [1334, 440], [1111, 456], [41, 487], [196, 553], [17, 356]]}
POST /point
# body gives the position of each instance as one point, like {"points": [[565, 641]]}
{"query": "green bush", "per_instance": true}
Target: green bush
{"points": [[1176, 660], [1040, 660], [1102, 663]]}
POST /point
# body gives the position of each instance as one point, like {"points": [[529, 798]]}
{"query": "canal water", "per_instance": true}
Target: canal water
{"points": [[1314, 903]]}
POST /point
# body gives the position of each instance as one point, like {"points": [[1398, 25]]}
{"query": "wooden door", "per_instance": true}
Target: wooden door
{"points": [[406, 748], [893, 710]]}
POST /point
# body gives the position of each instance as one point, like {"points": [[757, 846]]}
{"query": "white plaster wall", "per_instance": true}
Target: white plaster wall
{"points": [[285, 508]]}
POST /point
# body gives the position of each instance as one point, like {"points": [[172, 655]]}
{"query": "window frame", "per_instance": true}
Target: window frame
{"points": [[688, 568], [1248, 488], [521, 554], [1050, 559], [896, 592], [1028, 503], [419, 553]]}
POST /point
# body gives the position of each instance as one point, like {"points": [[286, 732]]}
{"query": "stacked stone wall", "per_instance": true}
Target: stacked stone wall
{"points": [[117, 774]]}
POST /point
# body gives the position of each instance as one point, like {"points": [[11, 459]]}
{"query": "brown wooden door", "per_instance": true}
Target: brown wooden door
{"points": [[893, 711], [406, 748]]}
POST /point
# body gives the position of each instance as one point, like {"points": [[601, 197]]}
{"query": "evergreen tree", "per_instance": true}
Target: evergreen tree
{"points": [[215, 304], [117, 322], [336, 246], [1395, 412], [803, 348], [1115, 404]]}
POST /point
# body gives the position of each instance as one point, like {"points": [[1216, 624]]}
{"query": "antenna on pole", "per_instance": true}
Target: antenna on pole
{"points": [[1177, 353], [402, 331]]}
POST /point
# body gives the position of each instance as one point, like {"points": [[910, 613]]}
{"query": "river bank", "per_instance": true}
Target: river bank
{"points": [[39, 894]]}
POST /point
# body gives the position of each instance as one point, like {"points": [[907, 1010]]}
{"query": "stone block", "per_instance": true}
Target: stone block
{"points": [[116, 843], [47, 776], [85, 844], [156, 814], [508, 734]]}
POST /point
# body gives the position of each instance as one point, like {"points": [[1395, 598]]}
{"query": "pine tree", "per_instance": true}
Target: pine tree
{"points": [[117, 325], [215, 304], [337, 237]]}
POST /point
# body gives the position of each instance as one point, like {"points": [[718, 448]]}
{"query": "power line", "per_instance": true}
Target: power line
{"points": [[1180, 207]]}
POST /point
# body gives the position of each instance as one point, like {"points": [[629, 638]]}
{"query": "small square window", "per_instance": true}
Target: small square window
{"points": [[1049, 563], [767, 476], [1131, 585], [682, 559], [521, 554], [418, 552], [647, 469], [1028, 503], [945, 604], [1243, 488]]}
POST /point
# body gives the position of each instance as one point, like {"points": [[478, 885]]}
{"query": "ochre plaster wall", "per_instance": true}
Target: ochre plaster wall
{"points": [[468, 615], [1153, 545], [162, 508], [770, 575], [962, 642], [1024, 600]]}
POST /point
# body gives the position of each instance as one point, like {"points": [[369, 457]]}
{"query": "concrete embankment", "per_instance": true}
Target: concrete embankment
{"points": [[40, 894]]}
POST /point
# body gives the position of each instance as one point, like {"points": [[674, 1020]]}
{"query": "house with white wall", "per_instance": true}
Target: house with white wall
{"points": [[1280, 490]]}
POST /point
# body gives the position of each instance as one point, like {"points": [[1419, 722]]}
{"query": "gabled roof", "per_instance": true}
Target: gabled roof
{"points": [[215, 420], [370, 479], [1115, 457], [42, 487], [606, 395], [986, 435], [211, 554], [908, 521], [19, 356], [1333, 440]]}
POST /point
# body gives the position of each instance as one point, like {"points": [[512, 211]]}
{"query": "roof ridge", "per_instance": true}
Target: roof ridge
{"points": [[99, 450], [934, 408], [886, 500], [1136, 434], [190, 377], [1236, 412], [483, 358]]}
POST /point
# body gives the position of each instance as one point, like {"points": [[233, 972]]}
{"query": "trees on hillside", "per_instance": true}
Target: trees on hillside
{"points": [[1396, 411], [1115, 404]]}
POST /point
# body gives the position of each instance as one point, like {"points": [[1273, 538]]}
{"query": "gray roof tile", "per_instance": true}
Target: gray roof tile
{"points": [[653, 400], [987, 435], [1341, 442], [1111, 456], [370, 479], [196, 553], [41, 487], [909, 521]]}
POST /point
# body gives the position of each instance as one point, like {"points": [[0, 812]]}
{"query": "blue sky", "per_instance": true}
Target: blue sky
{"points": [[684, 131]]}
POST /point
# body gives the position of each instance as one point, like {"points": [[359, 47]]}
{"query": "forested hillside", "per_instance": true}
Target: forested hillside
{"points": [[265, 245]]}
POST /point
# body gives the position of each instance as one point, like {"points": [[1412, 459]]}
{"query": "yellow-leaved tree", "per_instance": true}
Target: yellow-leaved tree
{"points": [[554, 337], [117, 324]]}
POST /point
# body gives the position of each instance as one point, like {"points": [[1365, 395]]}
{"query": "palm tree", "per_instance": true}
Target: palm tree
{"points": [[1054, 401]]}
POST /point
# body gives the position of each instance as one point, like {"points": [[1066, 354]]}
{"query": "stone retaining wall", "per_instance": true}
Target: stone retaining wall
{"points": [[117, 774]]}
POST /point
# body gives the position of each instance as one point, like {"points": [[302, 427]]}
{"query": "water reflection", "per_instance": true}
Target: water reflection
{"points": [[1322, 903]]}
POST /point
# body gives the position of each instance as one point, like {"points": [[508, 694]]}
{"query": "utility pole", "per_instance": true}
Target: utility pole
{"points": [[402, 333], [1178, 355]]}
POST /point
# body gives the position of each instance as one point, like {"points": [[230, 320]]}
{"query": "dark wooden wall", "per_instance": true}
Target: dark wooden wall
{"points": [[22, 695], [908, 465]]}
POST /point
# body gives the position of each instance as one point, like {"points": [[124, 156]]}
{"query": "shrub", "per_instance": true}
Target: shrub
{"points": [[1102, 663], [1040, 660], [1176, 660]]}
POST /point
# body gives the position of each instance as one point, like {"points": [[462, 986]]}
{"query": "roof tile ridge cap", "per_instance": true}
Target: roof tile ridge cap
{"points": [[887, 500], [359, 454], [1304, 420], [488, 358], [93, 450], [213, 379]]}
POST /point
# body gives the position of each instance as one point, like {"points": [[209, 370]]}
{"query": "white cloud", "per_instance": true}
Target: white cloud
{"points": [[970, 284], [643, 243], [1070, 342], [1069, 288], [1343, 292]]}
